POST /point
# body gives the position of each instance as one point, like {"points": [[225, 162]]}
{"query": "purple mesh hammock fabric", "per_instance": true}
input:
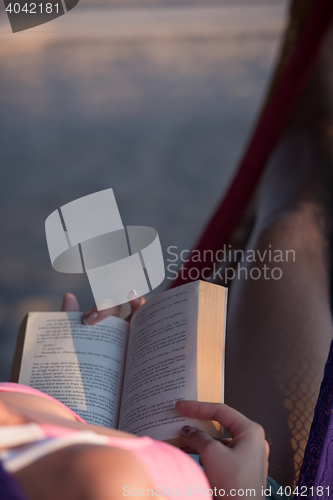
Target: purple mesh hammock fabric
{"points": [[317, 467], [9, 489]]}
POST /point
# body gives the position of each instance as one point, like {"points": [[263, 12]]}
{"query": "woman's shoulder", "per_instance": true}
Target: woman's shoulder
{"points": [[83, 471]]}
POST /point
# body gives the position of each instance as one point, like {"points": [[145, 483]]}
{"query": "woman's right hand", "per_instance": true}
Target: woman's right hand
{"points": [[239, 463]]}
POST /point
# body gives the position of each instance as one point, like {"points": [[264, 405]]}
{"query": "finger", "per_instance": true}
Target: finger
{"points": [[225, 441], [232, 420], [70, 303], [93, 316], [191, 451], [135, 301], [200, 441]]}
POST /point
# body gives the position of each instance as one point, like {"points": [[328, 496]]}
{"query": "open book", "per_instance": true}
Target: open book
{"points": [[129, 377]]}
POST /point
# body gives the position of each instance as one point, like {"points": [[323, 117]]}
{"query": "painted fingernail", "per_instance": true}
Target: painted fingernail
{"points": [[90, 318], [133, 294], [187, 430]]}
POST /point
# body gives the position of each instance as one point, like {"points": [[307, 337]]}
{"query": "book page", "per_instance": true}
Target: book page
{"points": [[161, 364], [81, 366]]}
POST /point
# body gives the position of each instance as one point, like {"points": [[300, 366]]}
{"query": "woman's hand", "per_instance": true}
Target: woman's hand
{"points": [[239, 463], [93, 316]]}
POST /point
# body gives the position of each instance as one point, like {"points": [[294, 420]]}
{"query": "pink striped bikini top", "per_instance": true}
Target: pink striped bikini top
{"points": [[169, 470]]}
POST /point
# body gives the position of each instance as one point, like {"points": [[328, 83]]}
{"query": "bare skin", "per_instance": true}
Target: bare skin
{"points": [[80, 471], [100, 473], [278, 338], [279, 331], [76, 472], [233, 465]]}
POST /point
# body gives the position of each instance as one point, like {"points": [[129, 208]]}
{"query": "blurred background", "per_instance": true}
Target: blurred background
{"points": [[153, 98]]}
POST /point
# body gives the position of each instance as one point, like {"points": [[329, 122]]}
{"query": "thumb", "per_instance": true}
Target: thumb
{"points": [[93, 316], [70, 303], [199, 441], [135, 301]]}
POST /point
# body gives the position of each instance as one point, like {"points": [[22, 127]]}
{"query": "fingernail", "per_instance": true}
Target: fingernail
{"points": [[90, 318], [133, 294], [187, 430]]}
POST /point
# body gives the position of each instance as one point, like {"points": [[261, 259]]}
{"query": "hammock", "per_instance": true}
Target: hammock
{"points": [[283, 96], [303, 41]]}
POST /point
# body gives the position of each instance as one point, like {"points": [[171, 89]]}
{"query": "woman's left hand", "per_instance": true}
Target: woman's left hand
{"points": [[93, 316]]}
